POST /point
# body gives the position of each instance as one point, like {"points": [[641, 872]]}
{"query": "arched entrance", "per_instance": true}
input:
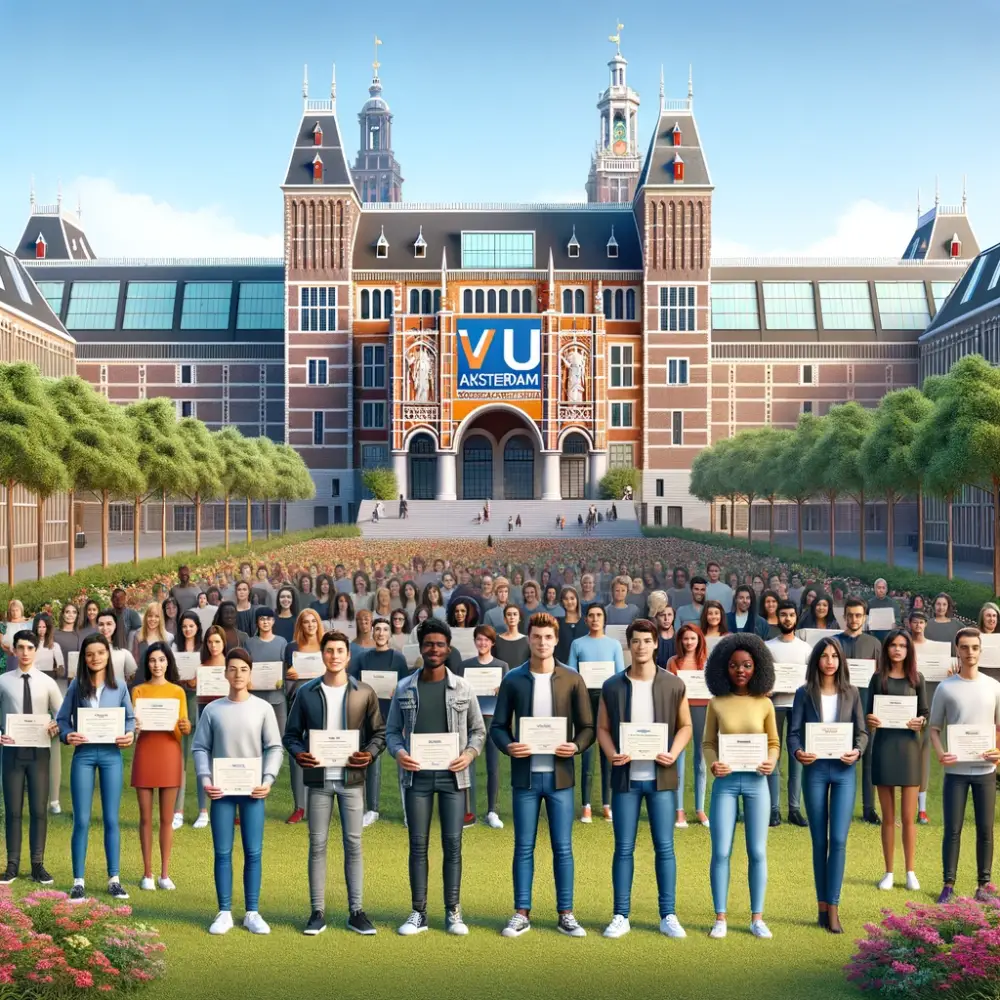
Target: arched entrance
{"points": [[496, 455], [519, 468], [477, 467], [423, 468], [573, 467]]}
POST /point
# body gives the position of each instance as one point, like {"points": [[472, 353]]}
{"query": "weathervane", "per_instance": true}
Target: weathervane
{"points": [[617, 38], [376, 63]]}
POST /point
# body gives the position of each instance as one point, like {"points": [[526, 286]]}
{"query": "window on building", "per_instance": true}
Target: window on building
{"points": [[149, 305], [606, 304], [630, 303], [467, 300], [621, 366], [677, 308], [620, 456], [186, 408], [373, 366], [365, 304], [621, 414], [491, 300], [185, 374], [321, 516], [902, 305], [205, 305], [498, 250], [677, 371], [338, 514], [846, 305], [808, 375], [316, 371], [734, 305], [658, 516], [619, 303], [414, 300], [318, 308], [526, 300], [372, 416], [515, 300], [996, 276], [659, 487], [335, 488], [318, 427], [970, 287], [807, 406], [789, 305], [675, 517], [184, 518], [121, 517], [52, 292], [677, 428], [93, 305], [261, 306], [427, 302], [388, 306], [480, 300], [374, 456]]}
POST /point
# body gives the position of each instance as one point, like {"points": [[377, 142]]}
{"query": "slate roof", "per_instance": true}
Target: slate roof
{"points": [[657, 171], [985, 272], [64, 239], [336, 172], [18, 294], [934, 233]]}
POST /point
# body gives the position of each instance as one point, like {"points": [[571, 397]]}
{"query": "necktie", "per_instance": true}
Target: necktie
{"points": [[26, 701]]}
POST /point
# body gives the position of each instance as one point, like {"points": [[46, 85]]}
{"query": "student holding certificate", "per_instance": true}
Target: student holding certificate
{"points": [[646, 696], [335, 706], [899, 688], [158, 760], [123, 664], [34, 699], [95, 687], [237, 736], [189, 643], [542, 702], [691, 656], [827, 736], [967, 707], [433, 709], [740, 674]]}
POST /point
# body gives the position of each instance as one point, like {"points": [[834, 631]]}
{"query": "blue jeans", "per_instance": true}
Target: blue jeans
{"points": [[92, 761], [829, 789], [660, 808], [223, 814], [492, 774], [756, 817], [559, 809], [783, 717], [698, 713]]}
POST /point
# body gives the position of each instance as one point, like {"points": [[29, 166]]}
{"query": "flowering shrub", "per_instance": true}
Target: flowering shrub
{"points": [[51, 947], [951, 948]]}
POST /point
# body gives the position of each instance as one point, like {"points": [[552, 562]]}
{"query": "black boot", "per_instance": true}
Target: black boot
{"points": [[775, 818]]}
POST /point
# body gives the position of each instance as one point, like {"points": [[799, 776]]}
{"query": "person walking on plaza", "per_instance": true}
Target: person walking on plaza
{"points": [[404, 508]]}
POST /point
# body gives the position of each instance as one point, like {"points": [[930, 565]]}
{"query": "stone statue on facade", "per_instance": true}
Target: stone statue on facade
{"points": [[421, 370], [575, 363]]}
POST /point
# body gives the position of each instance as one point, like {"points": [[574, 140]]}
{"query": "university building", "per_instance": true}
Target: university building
{"points": [[499, 350]]}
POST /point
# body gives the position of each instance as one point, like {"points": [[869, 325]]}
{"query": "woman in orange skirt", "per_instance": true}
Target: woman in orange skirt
{"points": [[158, 761]]}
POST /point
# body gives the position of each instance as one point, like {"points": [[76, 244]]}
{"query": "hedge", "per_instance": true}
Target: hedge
{"points": [[969, 597], [381, 483], [62, 587], [614, 481]]}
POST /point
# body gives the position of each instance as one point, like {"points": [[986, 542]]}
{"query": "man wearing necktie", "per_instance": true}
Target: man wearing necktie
{"points": [[26, 691]]}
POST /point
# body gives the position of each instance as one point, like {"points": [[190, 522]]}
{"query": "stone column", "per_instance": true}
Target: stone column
{"points": [[446, 475], [598, 468], [551, 488], [401, 466]]}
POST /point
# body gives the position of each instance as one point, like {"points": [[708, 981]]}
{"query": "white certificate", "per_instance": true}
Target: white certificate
{"points": [[643, 740], [434, 751], [789, 677], [617, 632], [543, 733], [934, 666], [968, 743], [881, 619], [29, 730], [894, 711], [383, 682], [237, 775], [694, 683], [212, 682], [187, 665], [596, 672], [267, 675], [411, 653], [861, 672], [308, 665], [990, 655], [813, 635], [464, 641], [157, 715], [743, 751], [100, 725], [829, 740], [72, 662], [332, 747], [484, 680]]}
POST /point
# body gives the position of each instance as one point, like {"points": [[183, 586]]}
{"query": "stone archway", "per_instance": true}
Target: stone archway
{"points": [[498, 445]]}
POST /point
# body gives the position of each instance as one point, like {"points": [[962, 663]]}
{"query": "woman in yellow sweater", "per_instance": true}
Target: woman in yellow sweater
{"points": [[740, 675]]}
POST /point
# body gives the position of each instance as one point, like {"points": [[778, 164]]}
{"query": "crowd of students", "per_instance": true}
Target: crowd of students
{"points": [[696, 657]]}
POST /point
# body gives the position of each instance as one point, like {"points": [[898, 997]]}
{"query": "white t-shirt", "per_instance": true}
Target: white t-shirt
{"points": [[796, 651], [829, 707], [642, 712], [94, 701], [541, 705], [334, 721]]}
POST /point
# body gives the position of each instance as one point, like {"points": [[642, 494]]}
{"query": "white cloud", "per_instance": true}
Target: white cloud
{"points": [[866, 229], [131, 224]]}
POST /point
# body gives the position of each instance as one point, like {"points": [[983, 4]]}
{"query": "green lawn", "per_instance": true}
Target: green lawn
{"points": [[542, 963]]}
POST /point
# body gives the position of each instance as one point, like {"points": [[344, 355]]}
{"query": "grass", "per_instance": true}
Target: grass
{"points": [[800, 958]]}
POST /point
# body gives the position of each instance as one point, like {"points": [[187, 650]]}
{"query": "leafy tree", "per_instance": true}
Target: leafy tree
{"points": [[382, 483], [773, 445], [887, 459], [239, 472], [704, 482], [206, 469], [31, 436], [794, 479], [99, 453], [613, 483], [292, 478], [741, 458], [266, 483]]}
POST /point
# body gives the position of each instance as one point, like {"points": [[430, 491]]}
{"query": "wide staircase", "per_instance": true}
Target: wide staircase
{"points": [[457, 519]]}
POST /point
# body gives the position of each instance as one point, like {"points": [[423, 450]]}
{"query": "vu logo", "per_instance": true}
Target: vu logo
{"points": [[475, 356]]}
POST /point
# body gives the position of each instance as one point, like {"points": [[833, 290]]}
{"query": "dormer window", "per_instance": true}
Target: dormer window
{"points": [[382, 246], [612, 244], [40, 247], [419, 245], [675, 133], [318, 135], [678, 166], [317, 166], [573, 247], [955, 247]]}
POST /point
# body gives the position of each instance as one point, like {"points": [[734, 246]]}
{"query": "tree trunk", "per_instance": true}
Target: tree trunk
{"points": [[833, 524], [163, 524], [861, 529], [227, 522], [996, 534], [750, 520], [951, 547], [10, 534], [890, 529], [799, 504], [732, 517], [197, 524], [711, 516], [267, 519], [136, 517], [105, 518], [920, 529], [71, 533], [40, 535], [249, 524], [770, 526]]}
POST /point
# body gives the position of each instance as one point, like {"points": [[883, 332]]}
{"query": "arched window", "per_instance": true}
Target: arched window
{"points": [[526, 300], [437, 300], [630, 303], [515, 300], [387, 298], [376, 304], [580, 302], [480, 301], [414, 300], [425, 303], [491, 300], [619, 304], [467, 300], [503, 300], [607, 303], [567, 300], [365, 307]]}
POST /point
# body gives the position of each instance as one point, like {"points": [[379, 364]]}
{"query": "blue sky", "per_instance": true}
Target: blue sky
{"points": [[819, 121]]}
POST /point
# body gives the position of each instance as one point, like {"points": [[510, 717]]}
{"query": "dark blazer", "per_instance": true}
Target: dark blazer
{"points": [[309, 712], [806, 709], [668, 695], [570, 698], [754, 624]]}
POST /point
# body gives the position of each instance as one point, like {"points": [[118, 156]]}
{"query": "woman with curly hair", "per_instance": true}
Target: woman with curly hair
{"points": [[819, 614], [740, 675]]}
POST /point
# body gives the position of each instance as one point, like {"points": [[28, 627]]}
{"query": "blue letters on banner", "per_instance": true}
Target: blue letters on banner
{"points": [[499, 356]]}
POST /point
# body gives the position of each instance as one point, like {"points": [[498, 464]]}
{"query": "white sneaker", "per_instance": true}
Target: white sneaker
{"points": [[759, 929], [222, 924], [911, 882], [681, 824], [671, 926], [454, 923], [147, 884], [178, 821], [618, 927], [493, 821], [369, 818], [719, 929], [886, 881], [415, 923], [165, 883], [516, 926], [202, 821], [255, 923], [55, 808]]}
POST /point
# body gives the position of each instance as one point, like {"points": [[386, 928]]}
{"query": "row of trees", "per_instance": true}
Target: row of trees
{"points": [[916, 443], [61, 436]]}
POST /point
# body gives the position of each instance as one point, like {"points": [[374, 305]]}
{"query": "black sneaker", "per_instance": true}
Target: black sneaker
{"points": [[116, 890], [775, 818], [9, 875], [796, 818], [316, 923], [77, 894], [40, 875], [870, 816], [359, 923], [570, 926]]}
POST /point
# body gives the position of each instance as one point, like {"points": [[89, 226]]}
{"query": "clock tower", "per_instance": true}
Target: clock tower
{"points": [[376, 172]]}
